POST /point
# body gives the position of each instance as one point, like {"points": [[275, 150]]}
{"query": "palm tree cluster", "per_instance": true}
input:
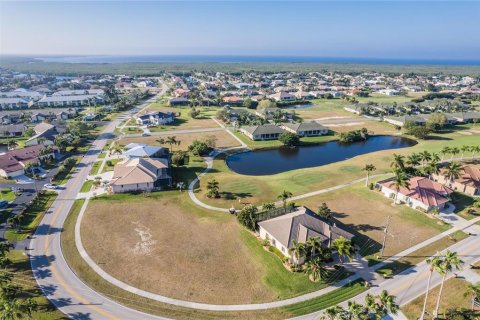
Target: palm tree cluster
{"points": [[375, 307], [12, 303], [463, 150], [442, 265]]}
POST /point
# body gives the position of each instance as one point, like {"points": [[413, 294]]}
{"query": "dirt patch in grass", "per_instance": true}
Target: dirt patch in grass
{"points": [[163, 247], [224, 139], [452, 297], [365, 212]]}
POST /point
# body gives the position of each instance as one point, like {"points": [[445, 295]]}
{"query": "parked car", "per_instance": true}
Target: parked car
{"points": [[50, 186], [145, 134]]}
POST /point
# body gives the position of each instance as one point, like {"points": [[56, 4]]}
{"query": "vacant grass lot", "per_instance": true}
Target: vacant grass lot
{"points": [[7, 194], [224, 140], [110, 164], [188, 253], [452, 297], [364, 212], [87, 185], [260, 189], [95, 167]]}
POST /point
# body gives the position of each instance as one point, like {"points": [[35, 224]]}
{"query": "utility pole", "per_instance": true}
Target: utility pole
{"points": [[385, 233]]}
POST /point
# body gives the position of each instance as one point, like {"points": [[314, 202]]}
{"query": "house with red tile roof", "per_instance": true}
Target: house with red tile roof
{"points": [[422, 193], [13, 162], [468, 180]]}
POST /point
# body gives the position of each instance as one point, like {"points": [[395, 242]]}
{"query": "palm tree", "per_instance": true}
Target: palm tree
{"points": [[344, 247], [212, 187], [431, 168], [454, 151], [355, 310], [474, 291], [435, 157], [414, 159], [368, 169], [298, 251], [444, 152], [473, 150], [425, 156], [333, 312], [171, 141], [325, 212], [433, 263], [398, 162], [315, 270], [313, 243], [399, 180], [161, 141], [464, 149], [284, 197], [268, 206], [386, 304], [452, 171], [449, 262]]}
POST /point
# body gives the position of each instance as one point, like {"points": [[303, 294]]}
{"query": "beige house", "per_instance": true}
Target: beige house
{"points": [[300, 226], [468, 181], [140, 174], [306, 129], [262, 132]]}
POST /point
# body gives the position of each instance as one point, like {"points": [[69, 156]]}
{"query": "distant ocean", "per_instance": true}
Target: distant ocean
{"points": [[247, 59]]}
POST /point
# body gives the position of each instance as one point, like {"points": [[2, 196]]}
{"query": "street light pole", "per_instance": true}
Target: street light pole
{"points": [[385, 232]]}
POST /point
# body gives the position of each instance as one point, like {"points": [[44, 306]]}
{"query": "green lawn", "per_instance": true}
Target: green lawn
{"points": [[95, 168], [23, 277], [7, 194], [328, 300], [109, 164], [278, 278], [62, 177], [33, 215], [188, 172], [102, 155], [87, 185]]}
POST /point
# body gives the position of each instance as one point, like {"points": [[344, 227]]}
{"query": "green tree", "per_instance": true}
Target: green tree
{"points": [[171, 141], [314, 244], [425, 157], [324, 211], [399, 180], [473, 290], [268, 206], [344, 248], [213, 189], [289, 139], [398, 162], [284, 197], [453, 171], [464, 149], [433, 265], [414, 160], [333, 313], [369, 168], [444, 152], [316, 270], [449, 262], [248, 217], [454, 151], [474, 150], [298, 251], [264, 104]]}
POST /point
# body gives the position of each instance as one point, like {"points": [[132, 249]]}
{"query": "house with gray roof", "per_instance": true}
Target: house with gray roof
{"points": [[306, 129], [402, 120], [262, 132], [299, 226], [13, 103]]}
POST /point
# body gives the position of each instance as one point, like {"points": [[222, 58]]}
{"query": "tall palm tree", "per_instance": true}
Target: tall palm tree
{"points": [[284, 197], [449, 262], [454, 151], [355, 310], [473, 290], [161, 141], [298, 251], [386, 304], [368, 169], [316, 270], [313, 244], [444, 152], [399, 180], [433, 263], [473, 150], [268, 206], [425, 156], [453, 171], [464, 149], [435, 157], [171, 141], [431, 168], [344, 248], [414, 159], [398, 162]]}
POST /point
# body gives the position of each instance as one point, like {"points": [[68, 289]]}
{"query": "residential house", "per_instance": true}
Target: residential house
{"points": [[73, 100], [45, 134], [13, 103], [178, 102], [234, 100], [282, 96], [13, 162], [140, 174], [140, 150], [262, 132], [299, 226], [467, 182], [155, 118], [402, 120], [12, 130], [466, 117], [305, 129], [422, 193], [269, 114]]}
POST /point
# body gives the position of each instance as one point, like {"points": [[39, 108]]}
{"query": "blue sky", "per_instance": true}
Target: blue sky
{"points": [[386, 29]]}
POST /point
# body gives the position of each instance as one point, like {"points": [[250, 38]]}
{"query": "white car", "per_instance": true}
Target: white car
{"points": [[50, 186]]}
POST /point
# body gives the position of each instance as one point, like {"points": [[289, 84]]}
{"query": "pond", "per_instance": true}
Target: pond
{"points": [[300, 106], [272, 161]]}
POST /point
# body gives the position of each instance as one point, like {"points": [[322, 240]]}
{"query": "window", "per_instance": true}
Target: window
{"points": [[273, 242]]}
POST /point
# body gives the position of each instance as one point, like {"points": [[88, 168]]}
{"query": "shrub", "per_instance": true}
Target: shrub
{"points": [[289, 139], [194, 113], [199, 148], [371, 185], [180, 158]]}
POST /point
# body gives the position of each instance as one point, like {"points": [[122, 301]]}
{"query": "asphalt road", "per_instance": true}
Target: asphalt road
{"points": [[57, 281]]}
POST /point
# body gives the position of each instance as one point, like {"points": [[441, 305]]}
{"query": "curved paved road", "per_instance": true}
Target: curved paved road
{"points": [[57, 281]]}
